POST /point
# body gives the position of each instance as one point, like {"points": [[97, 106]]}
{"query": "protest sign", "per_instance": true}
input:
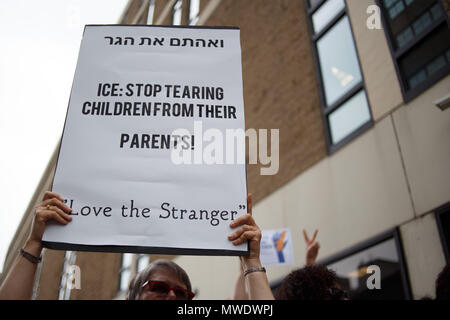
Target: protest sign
{"points": [[142, 161], [276, 247]]}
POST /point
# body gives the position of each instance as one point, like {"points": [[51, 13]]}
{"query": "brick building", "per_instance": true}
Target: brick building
{"points": [[359, 99]]}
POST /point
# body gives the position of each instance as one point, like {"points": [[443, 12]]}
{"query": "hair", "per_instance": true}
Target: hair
{"points": [[135, 287], [310, 283], [443, 284]]}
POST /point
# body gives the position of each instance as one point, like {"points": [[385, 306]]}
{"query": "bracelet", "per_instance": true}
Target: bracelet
{"points": [[30, 257], [246, 272]]}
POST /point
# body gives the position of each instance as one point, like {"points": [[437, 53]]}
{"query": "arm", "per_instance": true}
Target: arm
{"points": [[257, 282], [240, 291], [18, 283], [312, 248]]}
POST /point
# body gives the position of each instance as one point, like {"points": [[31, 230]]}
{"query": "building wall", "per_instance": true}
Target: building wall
{"points": [[163, 12], [390, 176], [280, 86], [99, 275], [421, 245], [424, 134], [382, 85], [350, 196], [130, 14], [48, 277], [159, 8]]}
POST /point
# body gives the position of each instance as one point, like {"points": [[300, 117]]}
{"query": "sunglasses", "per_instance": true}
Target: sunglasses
{"points": [[162, 289]]}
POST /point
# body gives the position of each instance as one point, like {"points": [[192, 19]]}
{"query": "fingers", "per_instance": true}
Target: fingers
{"points": [[245, 234], [56, 203], [249, 204], [43, 215], [53, 208], [50, 195], [307, 239], [240, 231], [305, 235], [60, 213], [248, 229], [314, 235], [242, 220]]}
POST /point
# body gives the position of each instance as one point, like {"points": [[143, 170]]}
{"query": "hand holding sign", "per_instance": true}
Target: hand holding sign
{"points": [[18, 282], [257, 282], [52, 207], [250, 232]]}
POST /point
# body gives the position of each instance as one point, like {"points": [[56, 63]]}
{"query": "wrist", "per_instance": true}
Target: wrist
{"points": [[33, 247], [248, 263], [252, 270]]}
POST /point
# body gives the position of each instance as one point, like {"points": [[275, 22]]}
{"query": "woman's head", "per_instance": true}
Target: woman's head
{"points": [[162, 279], [311, 283]]}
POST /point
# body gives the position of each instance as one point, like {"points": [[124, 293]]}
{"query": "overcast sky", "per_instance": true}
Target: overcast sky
{"points": [[39, 43]]}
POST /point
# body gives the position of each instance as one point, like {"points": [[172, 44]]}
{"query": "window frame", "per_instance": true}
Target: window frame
{"points": [[393, 233], [326, 111], [193, 21], [69, 260], [438, 213], [150, 12], [174, 10], [396, 55], [122, 269]]}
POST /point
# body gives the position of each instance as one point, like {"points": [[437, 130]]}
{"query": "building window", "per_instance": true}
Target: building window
{"points": [[194, 10], [132, 264], [66, 277], [442, 215], [142, 262], [345, 107], [126, 271], [419, 39], [313, 3], [383, 254], [176, 13], [151, 11]]}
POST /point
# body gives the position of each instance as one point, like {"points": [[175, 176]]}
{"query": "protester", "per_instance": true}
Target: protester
{"points": [[164, 279], [314, 282], [160, 280], [18, 283], [312, 251], [239, 289]]}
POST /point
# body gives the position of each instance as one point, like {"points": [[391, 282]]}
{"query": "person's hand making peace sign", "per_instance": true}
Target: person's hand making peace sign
{"points": [[312, 247]]}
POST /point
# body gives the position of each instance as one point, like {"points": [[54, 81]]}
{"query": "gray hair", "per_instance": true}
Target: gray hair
{"points": [[135, 287]]}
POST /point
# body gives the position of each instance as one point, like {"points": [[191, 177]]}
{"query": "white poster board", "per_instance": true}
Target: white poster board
{"points": [[276, 247], [134, 86]]}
